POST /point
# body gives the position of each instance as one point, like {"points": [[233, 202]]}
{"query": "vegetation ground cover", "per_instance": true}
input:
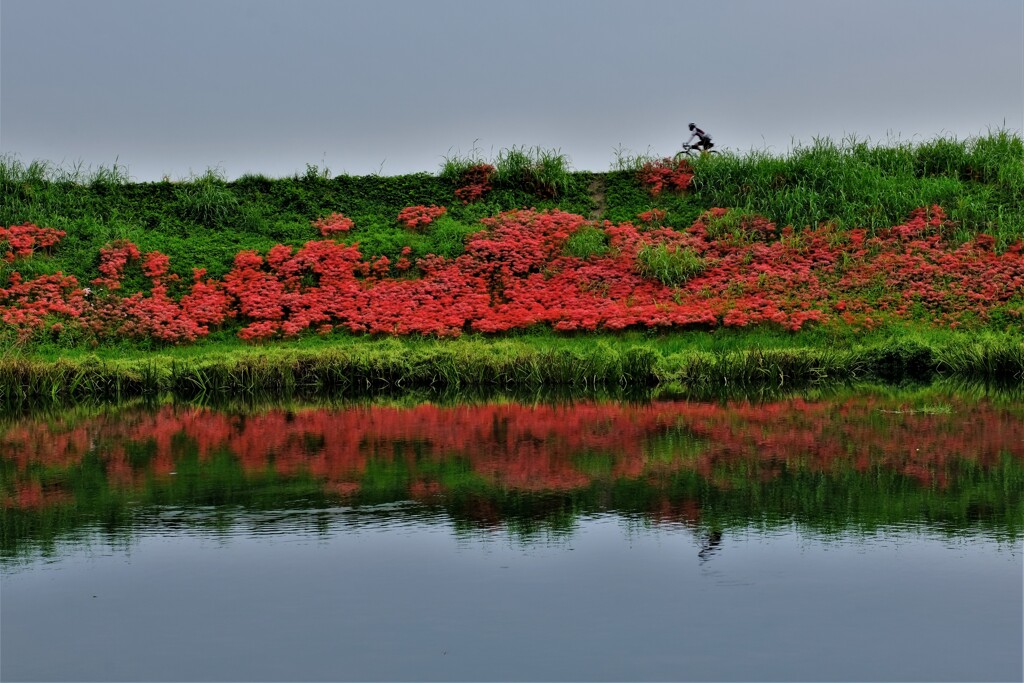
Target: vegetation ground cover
{"points": [[830, 241]]}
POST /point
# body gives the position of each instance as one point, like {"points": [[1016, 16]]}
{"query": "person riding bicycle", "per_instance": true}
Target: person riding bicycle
{"points": [[703, 139]]}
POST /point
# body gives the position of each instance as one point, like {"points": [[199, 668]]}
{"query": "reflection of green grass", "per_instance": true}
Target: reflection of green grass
{"points": [[739, 493], [596, 465], [937, 409], [676, 444], [384, 481], [977, 499]]}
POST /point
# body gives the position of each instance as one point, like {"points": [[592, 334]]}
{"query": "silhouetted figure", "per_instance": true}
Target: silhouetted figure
{"points": [[703, 139], [710, 545]]}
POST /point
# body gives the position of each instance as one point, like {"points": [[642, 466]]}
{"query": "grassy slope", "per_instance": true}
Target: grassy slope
{"points": [[204, 222]]}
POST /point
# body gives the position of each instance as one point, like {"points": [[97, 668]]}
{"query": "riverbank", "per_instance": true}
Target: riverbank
{"points": [[695, 364], [835, 263]]}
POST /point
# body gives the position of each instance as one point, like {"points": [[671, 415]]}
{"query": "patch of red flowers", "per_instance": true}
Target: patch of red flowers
{"points": [[23, 240], [666, 174], [333, 224], [417, 217], [652, 217], [515, 274], [475, 183]]}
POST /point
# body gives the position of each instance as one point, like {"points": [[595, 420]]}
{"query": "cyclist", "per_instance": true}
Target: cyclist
{"points": [[703, 139]]}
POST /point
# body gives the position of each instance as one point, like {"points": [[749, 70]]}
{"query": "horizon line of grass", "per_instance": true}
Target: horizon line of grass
{"points": [[979, 156]]}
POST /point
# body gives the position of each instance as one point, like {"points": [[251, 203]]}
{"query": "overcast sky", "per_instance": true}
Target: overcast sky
{"points": [[174, 87]]}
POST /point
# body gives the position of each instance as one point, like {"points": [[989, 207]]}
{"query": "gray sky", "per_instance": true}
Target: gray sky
{"points": [[393, 86]]}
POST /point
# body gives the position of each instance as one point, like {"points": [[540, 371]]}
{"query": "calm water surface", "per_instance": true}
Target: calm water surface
{"points": [[871, 537]]}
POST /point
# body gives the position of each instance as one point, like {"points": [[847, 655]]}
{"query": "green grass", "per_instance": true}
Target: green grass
{"points": [[455, 166], [671, 265], [693, 364], [203, 221], [629, 161], [588, 241], [540, 171], [979, 182], [207, 201]]}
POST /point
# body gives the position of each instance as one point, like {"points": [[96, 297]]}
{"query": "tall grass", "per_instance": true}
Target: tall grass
{"points": [[207, 200], [525, 362], [455, 166], [629, 161], [587, 241], [979, 181], [671, 265], [990, 360], [535, 169]]}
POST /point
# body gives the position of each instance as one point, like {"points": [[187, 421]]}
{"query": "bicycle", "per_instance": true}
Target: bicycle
{"points": [[692, 151]]}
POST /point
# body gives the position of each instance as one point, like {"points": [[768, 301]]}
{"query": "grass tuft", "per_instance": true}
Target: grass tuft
{"points": [[671, 265], [207, 200], [535, 169], [588, 241]]}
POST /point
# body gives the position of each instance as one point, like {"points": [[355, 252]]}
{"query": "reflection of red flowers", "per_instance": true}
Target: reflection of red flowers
{"points": [[523, 447]]}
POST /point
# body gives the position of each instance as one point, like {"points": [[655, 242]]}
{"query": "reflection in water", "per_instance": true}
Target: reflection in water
{"points": [[710, 544], [856, 462], [503, 541]]}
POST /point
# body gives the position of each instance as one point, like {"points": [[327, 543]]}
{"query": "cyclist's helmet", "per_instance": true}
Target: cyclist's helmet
{"points": [[692, 126]]}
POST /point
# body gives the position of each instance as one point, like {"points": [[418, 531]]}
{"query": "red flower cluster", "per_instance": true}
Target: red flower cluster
{"points": [[652, 217], [515, 274], [159, 315], [23, 240], [291, 291], [415, 217], [666, 174], [113, 260], [475, 183], [28, 305], [911, 270], [333, 224]]}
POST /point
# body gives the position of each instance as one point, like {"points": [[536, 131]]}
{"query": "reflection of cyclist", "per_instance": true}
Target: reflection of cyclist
{"points": [[710, 545], [703, 139]]}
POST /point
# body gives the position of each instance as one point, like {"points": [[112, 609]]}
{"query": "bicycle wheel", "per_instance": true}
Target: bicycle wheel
{"points": [[687, 153]]}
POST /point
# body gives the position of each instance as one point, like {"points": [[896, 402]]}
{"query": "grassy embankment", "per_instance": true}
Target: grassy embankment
{"points": [[205, 221]]}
